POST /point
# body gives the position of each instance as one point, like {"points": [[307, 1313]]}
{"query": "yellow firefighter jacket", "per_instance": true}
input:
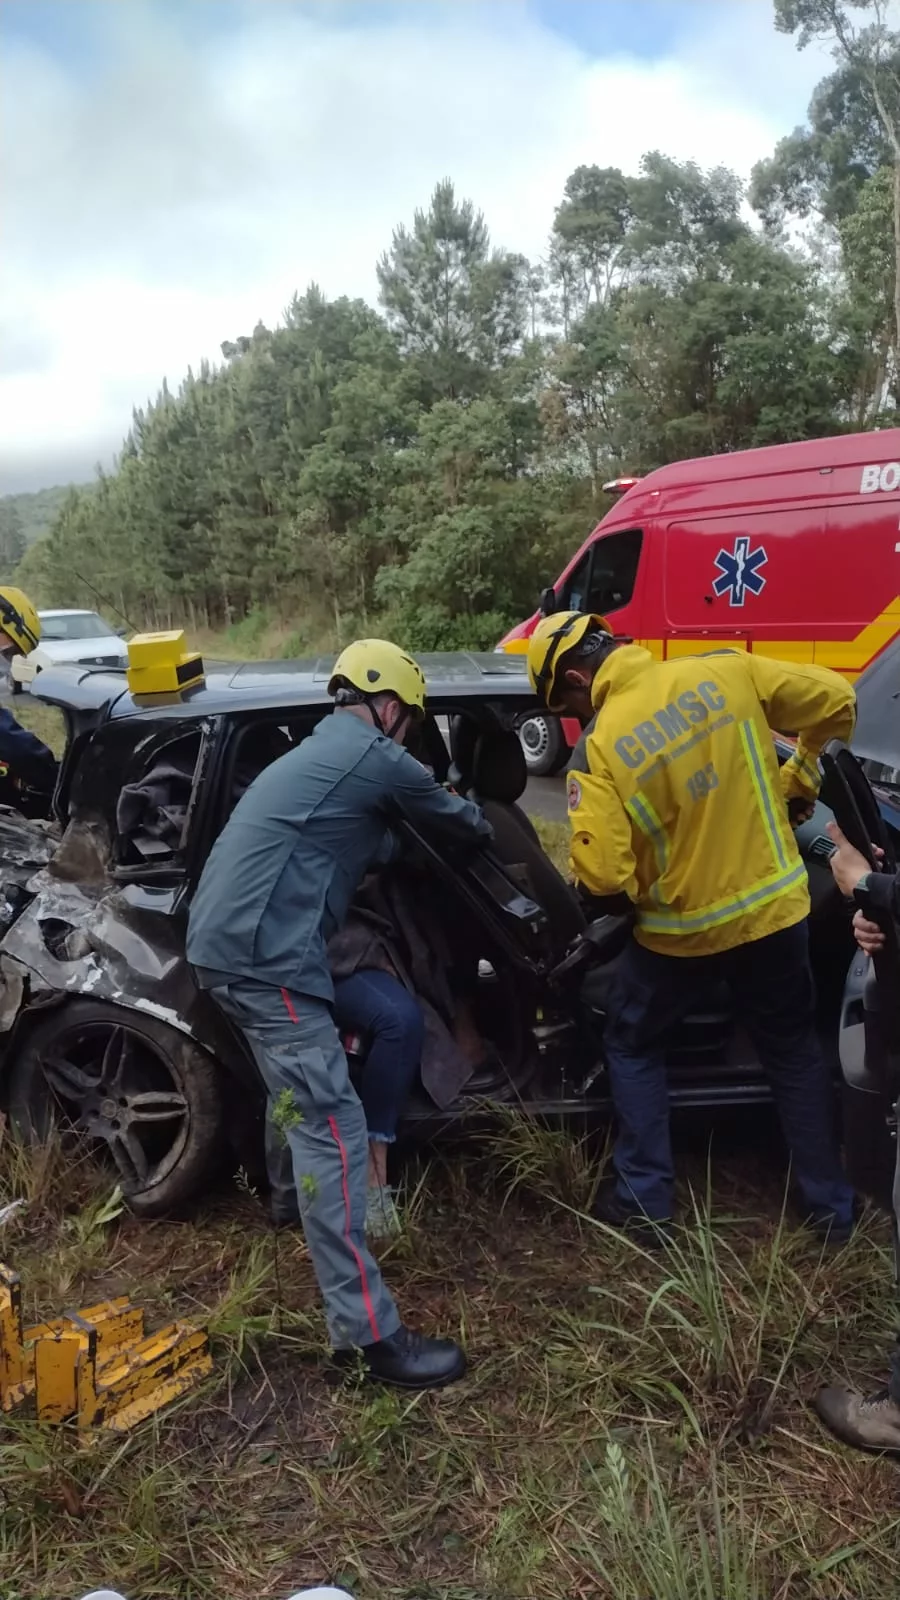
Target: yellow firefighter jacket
{"points": [[676, 798]]}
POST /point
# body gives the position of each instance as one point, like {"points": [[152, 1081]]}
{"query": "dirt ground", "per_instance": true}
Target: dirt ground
{"points": [[631, 1426]]}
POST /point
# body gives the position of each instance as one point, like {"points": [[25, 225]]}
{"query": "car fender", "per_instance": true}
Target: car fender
{"points": [[111, 943]]}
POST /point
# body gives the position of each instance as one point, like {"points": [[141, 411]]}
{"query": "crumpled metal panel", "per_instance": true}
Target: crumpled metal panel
{"points": [[25, 847], [83, 934], [103, 942]]}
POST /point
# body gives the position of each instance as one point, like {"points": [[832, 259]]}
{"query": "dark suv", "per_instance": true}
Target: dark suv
{"points": [[104, 1027]]}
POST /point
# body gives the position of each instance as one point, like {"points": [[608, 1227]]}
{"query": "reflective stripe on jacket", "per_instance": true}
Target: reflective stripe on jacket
{"points": [[678, 799]]}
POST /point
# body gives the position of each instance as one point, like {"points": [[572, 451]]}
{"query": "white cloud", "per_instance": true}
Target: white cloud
{"points": [[178, 192]]}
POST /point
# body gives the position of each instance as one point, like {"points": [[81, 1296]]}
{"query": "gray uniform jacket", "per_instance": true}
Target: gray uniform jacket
{"points": [[281, 875]]}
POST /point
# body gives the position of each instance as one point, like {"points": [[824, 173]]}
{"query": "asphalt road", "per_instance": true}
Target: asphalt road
{"points": [[546, 797]]}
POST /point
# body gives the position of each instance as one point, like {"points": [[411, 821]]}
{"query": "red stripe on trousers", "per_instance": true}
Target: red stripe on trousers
{"points": [[373, 1322], [360, 1265]]}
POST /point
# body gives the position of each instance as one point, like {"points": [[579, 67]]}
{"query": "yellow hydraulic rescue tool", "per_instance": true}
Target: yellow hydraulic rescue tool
{"points": [[160, 663], [96, 1365]]}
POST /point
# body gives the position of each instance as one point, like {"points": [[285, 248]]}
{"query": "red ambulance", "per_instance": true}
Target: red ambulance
{"points": [[790, 551]]}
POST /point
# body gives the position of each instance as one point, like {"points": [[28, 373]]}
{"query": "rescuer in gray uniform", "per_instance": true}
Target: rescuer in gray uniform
{"points": [[278, 883]]}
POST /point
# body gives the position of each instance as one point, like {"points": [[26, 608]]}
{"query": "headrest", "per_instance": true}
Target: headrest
{"points": [[498, 768]]}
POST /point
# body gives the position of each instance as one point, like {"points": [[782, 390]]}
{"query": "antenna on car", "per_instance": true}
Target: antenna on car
{"points": [[103, 600]]}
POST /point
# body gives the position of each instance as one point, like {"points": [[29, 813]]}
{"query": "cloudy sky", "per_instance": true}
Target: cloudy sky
{"points": [[172, 170]]}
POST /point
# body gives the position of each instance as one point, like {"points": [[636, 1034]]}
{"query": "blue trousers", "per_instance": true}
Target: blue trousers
{"points": [[772, 985], [376, 1004]]}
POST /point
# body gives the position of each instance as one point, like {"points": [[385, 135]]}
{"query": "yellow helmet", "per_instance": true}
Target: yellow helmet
{"points": [[375, 666], [19, 620], [552, 639]]}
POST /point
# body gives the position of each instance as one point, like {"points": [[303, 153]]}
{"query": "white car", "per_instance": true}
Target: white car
{"points": [[79, 637]]}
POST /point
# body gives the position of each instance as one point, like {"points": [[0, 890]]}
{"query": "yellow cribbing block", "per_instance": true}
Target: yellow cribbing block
{"points": [[52, 1357], [139, 1381], [11, 1358], [55, 1369], [160, 663], [97, 1364]]}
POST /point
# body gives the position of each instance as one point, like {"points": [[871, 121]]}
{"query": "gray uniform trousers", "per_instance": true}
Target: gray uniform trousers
{"points": [[295, 1045]]}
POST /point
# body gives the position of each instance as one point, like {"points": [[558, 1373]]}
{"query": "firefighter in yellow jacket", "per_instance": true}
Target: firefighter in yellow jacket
{"points": [[678, 807]]}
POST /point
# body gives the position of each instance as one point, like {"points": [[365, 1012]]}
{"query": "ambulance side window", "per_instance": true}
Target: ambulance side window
{"points": [[604, 579]]}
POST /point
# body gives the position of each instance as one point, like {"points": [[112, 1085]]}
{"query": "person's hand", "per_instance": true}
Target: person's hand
{"points": [[847, 865], [868, 935], [800, 811]]}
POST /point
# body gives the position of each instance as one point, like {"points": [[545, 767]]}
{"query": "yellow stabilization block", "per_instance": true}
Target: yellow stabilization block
{"points": [[96, 1365], [160, 663]]}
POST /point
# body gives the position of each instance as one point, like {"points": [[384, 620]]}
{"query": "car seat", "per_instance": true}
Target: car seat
{"points": [[491, 768]]}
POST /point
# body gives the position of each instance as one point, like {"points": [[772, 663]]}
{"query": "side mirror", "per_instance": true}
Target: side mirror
{"points": [[123, 632], [548, 602]]}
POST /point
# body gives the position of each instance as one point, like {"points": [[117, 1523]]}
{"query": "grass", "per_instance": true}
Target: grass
{"points": [[632, 1425], [554, 837], [260, 637], [47, 722]]}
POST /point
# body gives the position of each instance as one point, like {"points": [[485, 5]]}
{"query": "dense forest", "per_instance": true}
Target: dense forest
{"points": [[25, 518], [425, 468]]}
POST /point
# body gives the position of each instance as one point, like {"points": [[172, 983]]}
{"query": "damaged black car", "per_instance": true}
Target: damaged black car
{"points": [[102, 1031]]}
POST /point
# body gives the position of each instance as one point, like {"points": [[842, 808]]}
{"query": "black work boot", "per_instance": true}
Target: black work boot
{"points": [[646, 1231], [409, 1360], [868, 1422]]}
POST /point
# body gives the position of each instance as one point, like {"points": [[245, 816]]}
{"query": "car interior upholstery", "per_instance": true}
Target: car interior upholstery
{"points": [[489, 767]]}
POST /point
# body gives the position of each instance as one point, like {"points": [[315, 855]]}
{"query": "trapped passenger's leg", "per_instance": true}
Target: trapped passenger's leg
{"points": [[377, 1004]]}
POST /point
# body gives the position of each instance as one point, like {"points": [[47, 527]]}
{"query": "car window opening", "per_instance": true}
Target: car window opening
{"points": [[152, 807]]}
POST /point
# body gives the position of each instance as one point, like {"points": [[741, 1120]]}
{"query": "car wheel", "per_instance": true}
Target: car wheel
{"points": [[145, 1097], [542, 741]]}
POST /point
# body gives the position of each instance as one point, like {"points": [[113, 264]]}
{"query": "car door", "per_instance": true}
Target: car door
{"points": [[869, 1041], [140, 783]]}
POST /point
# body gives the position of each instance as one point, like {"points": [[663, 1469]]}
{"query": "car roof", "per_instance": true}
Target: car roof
{"points": [[258, 686], [266, 685]]}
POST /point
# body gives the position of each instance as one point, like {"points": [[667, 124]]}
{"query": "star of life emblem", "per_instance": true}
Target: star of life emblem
{"points": [[739, 571]]}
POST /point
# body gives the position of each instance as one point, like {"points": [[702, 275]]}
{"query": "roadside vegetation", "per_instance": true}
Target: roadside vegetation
{"points": [[632, 1425], [425, 468]]}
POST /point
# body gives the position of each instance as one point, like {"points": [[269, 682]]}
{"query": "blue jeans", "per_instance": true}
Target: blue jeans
{"points": [[376, 1004], [772, 985]]}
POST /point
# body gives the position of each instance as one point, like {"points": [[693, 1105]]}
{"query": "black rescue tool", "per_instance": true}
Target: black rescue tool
{"points": [[858, 815]]}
